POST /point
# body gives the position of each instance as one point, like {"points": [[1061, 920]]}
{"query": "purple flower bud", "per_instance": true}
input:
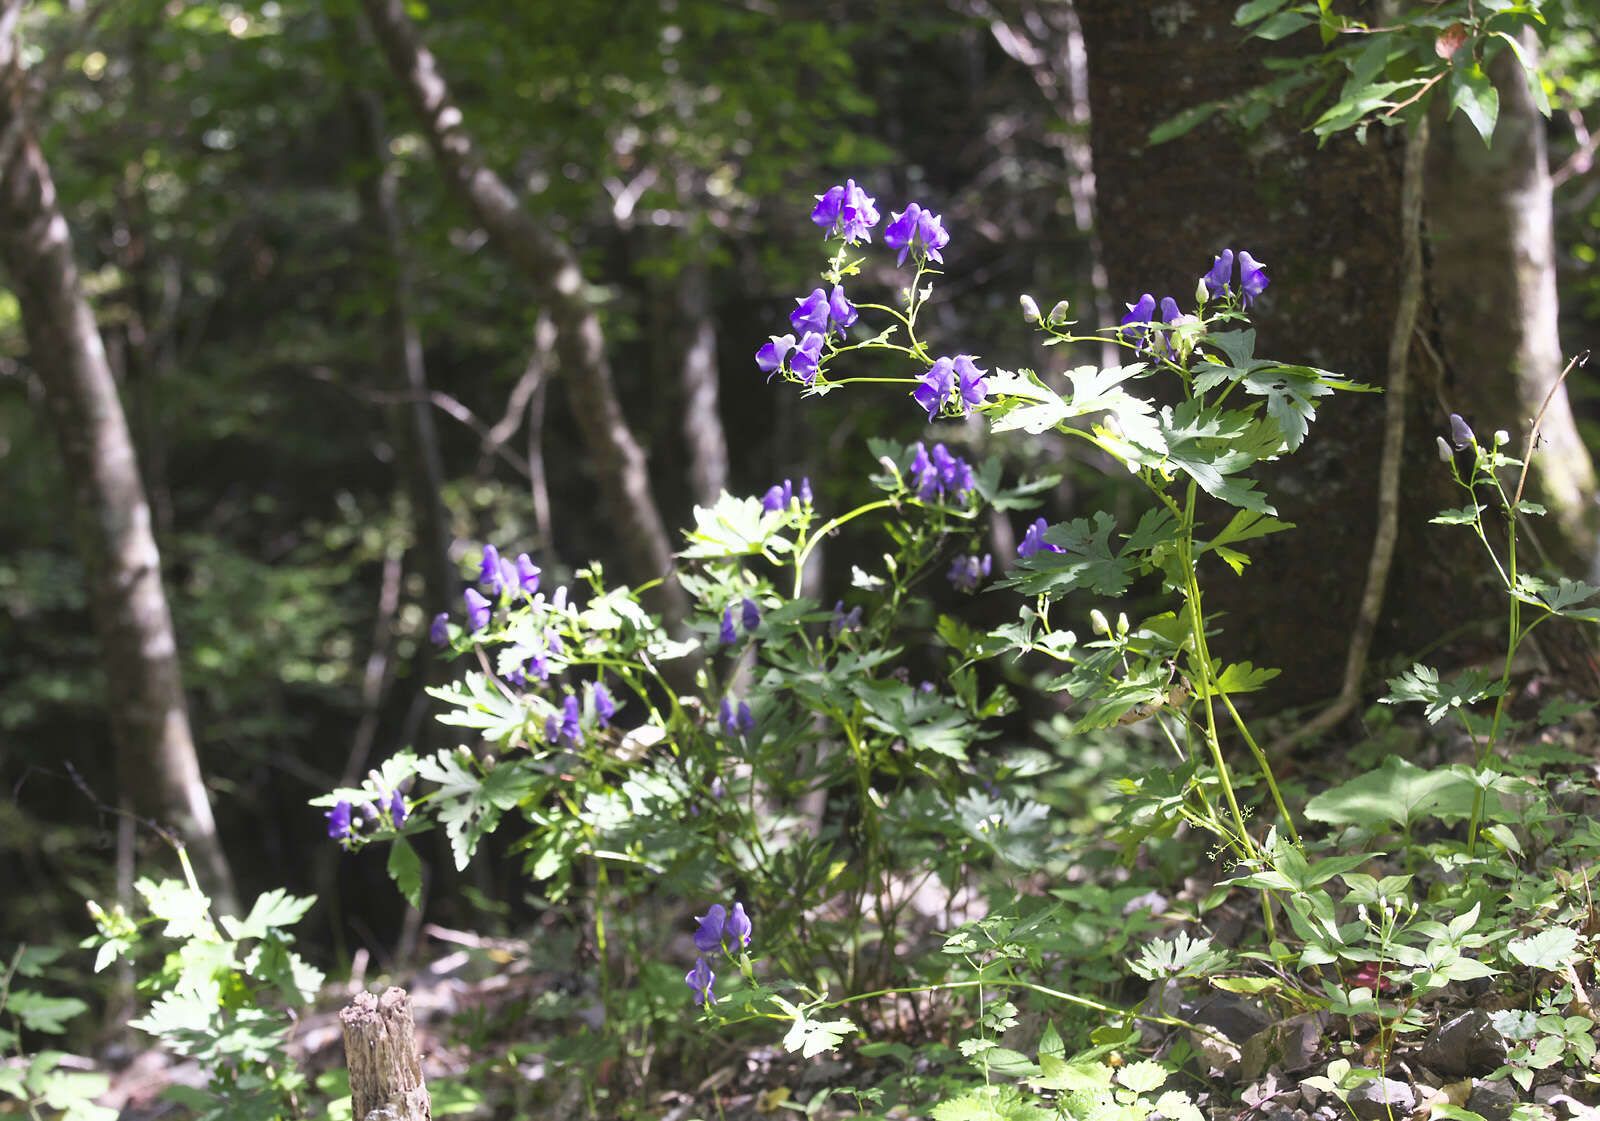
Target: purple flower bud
{"points": [[527, 573], [489, 571], [728, 634], [509, 577], [338, 821], [700, 979], [478, 610], [745, 722], [604, 707], [552, 728], [397, 809], [709, 935], [717, 789], [805, 491], [725, 717], [772, 501], [439, 632], [966, 573], [1460, 433], [751, 615], [739, 927], [369, 814], [570, 727]]}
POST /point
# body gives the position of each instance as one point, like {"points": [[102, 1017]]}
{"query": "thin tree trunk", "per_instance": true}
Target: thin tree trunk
{"points": [[1494, 277], [551, 267], [400, 352], [156, 757], [702, 420]]}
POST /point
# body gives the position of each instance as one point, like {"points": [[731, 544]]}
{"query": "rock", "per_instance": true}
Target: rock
{"points": [[1288, 1045], [1467, 1044], [1382, 1098], [1492, 1100]]}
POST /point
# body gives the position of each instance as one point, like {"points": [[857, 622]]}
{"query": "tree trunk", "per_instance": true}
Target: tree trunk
{"points": [[380, 1047], [551, 267], [702, 419], [1493, 276], [156, 759], [1326, 222]]}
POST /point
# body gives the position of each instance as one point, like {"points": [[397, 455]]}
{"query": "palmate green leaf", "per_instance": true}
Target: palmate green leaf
{"points": [[735, 527], [478, 704], [1421, 684], [1464, 515], [1088, 561], [1290, 392], [814, 1037], [405, 869], [1399, 793], [1024, 401], [1180, 956], [1245, 526], [273, 910], [1552, 948], [1559, 598], [72, 1092], [468, 806], [42, 1013], [185, 911]]}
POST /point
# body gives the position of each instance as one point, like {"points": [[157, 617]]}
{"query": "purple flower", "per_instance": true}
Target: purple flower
{"points": [[805, 490], [725, 717], [844, 622], [970, 379], [966, 573], [778, 497], [1221, 274], [804, 360], [770, 357], [1139, 314], [569, 721], [339, 821], [478, 610], [847, 211], [604, 707], [750, 615], [728, 634], [1461, 433], [1252, 281], [552, 640], [812, 314], [709, 937], [739, 927], [489, 571], [940, 474], [527, 573], [936, 386], [744, 721], [539, 663], [397, 809], [369, 814], [439, 632], [916, 228], [1033, 541], [700, 979], [717, 790], [841, 312], [552, 728]]}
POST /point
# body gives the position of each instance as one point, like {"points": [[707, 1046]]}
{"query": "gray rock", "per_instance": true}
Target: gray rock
{"points": [[1288, 1045], [1466, 1044], [1382, 1098], [1492, 1100]]}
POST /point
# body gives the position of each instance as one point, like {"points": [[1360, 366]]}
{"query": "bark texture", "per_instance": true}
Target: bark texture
{"points": [[380, 1047], [156, 760], [551, 267], [702, 419], [1326, 222], [1494, 278]]}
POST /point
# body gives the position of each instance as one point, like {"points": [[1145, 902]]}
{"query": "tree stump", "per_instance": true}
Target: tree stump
{"points": [[380, 1046]]}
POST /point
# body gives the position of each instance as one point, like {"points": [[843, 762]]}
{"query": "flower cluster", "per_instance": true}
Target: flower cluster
{"points": [[917, 228], [749, 615], [824, 315], [1033, 541], [847, 212], [503, 578], [343, 823], [735, 723], [966, 573], [1252, 281], [958, 376], [1136, 327], [844, 620], [719, 930], [780, 496], [938, 473]]}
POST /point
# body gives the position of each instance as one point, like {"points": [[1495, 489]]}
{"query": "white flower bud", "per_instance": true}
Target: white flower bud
{"points": [[1059, 313], [1030, 310], [1097, 620], [1501, 436], [1201, 292], [1444, 449]]}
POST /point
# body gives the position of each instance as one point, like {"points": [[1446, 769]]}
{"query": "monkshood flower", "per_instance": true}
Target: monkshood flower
{"points": [[940, 473], [1252, 280], [916, 228], [478, 609], [1218, 280], [844, 622], [951, 375], [700, 979], [397, 809], [846, 211], [1461, 433], [527, 574], [728, 634], [708, 937], [966, 573], [339, 821], [439, 631], [1033, 541], [570, 714], [739, 928], [604, 707], [780, 496], [489, 570], [735, 722], [750, 615], [771, 356], [824, 313], [803, 362]]}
